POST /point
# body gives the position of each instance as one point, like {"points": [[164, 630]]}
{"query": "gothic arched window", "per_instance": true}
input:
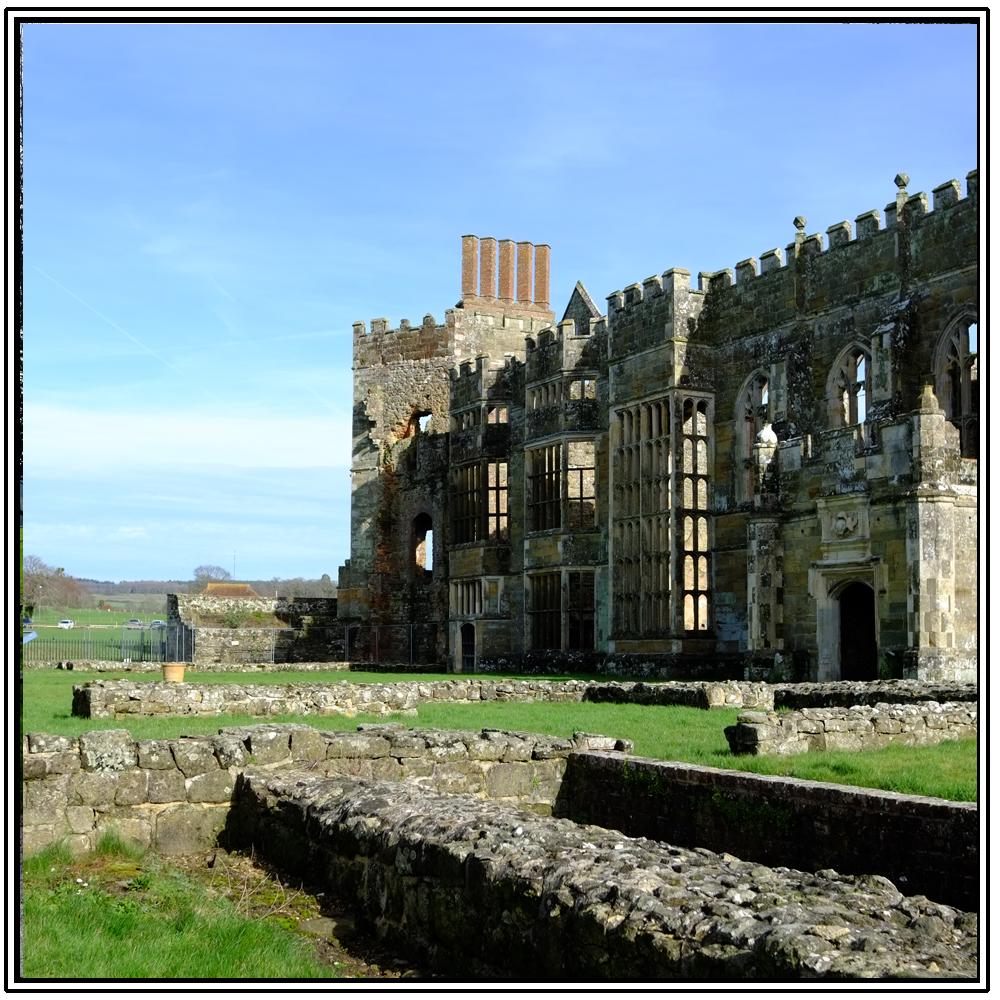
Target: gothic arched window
{"points": [[849, 388], [957, 381], [752, 417]]}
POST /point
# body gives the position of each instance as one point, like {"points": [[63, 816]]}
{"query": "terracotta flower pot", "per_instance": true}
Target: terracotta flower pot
{"points": [[173, 672]]}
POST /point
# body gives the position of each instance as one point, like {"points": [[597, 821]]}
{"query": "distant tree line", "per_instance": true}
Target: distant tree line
{"points": [[51, 587]]}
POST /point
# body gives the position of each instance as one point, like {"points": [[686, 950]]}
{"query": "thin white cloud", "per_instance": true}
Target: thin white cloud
{"points": [[62, 439]]}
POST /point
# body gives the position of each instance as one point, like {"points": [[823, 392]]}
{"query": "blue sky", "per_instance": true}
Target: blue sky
{"points": [[208, 208]]}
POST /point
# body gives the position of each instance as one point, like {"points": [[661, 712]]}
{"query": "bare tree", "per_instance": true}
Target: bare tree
{"points": [[49, 587], [204, 575]]}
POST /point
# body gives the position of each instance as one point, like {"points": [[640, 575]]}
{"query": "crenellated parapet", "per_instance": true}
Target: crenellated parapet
{"points": [[811, 272]]}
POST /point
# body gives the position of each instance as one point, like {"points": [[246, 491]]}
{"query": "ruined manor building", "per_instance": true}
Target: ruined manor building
{"points": [[772, 474]]}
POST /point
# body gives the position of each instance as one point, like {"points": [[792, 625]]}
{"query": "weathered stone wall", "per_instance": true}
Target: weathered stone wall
{"points": [[189, 609], [858, 728], [844, 694], [121, 699], [506, 894], [305, 629], [125, 698], [926, 845], [173, 795]]}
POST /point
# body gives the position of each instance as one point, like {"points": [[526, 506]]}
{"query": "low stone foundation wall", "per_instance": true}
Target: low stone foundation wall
{"points": [[126, 698], [121, 699], [860, 728], [173, 795], [846, 694], [501, 893], [926, 845]]}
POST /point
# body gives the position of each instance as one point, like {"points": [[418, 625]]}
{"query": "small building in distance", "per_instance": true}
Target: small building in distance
{"points": [[768, 472], [227, 588]]}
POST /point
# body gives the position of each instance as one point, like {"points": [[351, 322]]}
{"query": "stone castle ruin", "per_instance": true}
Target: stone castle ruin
{"points": [[771, 475]]}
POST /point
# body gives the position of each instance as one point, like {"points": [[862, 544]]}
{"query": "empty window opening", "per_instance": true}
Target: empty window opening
{"points": [[849, 390], [544, 480], [496, 414], [466, 500], [496, 497], [423, 544], [422, 422], [585, 388], [580, 484], [957, 383]]}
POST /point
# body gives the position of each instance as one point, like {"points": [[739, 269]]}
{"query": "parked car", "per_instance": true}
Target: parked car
{"points": [[65, 623], [27, 621], [156, 623], [133, 623]]}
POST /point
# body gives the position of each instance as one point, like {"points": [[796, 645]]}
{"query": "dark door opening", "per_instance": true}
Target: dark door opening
{"points": [[858, 649], [468, 647]]}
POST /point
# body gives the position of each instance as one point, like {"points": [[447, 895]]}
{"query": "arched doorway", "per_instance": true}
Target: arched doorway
{"points": [[858, 648], [468, 647]]}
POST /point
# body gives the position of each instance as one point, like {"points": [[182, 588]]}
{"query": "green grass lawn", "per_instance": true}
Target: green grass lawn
{"points": [[122, 913], [88, 616], [664, 732]]}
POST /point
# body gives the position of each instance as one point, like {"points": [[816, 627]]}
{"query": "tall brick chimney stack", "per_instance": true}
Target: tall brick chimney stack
{"points": [[506, 289], [470, 262], [488, 268], [542, 275], [524, 272]]}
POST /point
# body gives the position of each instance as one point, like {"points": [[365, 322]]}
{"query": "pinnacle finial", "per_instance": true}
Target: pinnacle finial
{"points": [[799, 222], [901, 181]]}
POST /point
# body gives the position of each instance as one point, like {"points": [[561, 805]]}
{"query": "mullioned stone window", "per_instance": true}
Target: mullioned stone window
{"points": [[957, 381], [544, 487], [584, 388], [479, 503], [695, 468], [466, 598], [580, 610], [849, 388], [466, 501], [546, 611], [641, 530], [581, 501]]}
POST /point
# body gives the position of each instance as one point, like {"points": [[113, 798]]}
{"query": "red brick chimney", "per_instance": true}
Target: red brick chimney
{"points": [[524, 272], [488, 268], [506, 290], [470, 260], [542, 275]]}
